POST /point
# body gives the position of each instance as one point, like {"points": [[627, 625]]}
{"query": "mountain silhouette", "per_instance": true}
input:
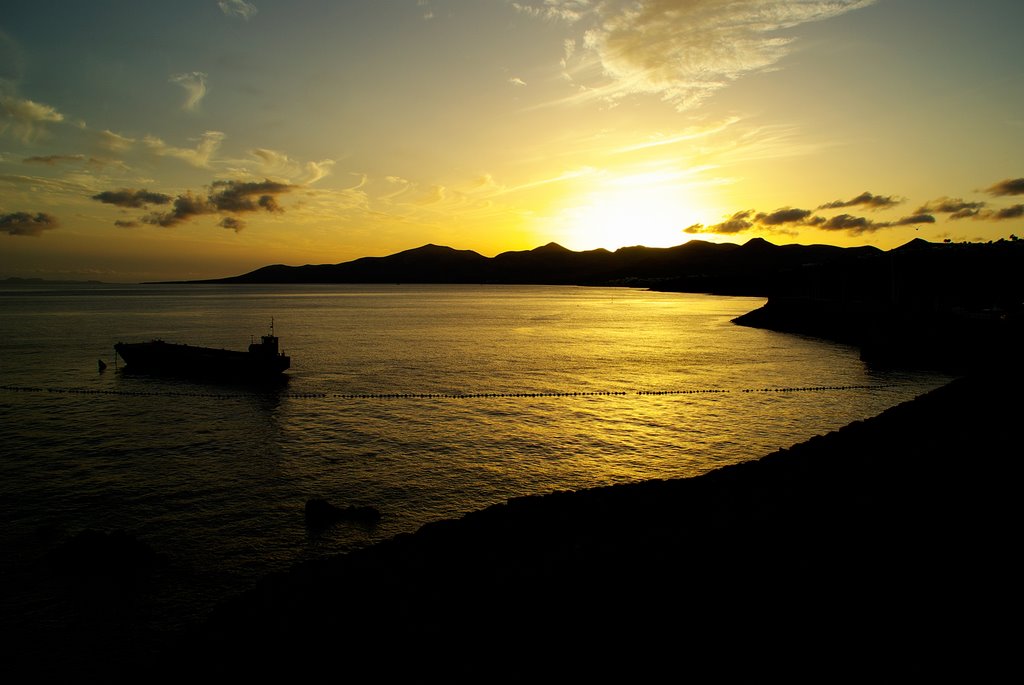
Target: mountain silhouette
{"points": [[951, 305], [696, 266]]}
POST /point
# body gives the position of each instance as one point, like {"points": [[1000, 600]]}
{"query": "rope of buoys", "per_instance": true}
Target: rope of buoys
{"points": [[442, 395]]}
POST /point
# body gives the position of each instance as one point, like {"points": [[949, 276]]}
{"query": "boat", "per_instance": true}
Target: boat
{"points": [[263, 359]]}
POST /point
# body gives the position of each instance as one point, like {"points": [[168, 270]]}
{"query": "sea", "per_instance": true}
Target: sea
{"points": [[424, 401]]}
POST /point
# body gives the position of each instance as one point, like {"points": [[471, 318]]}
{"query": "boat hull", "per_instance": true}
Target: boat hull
{"points": [[162, 357]]}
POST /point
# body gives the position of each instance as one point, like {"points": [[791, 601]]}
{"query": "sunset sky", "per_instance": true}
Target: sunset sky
{"points": [[205, 138]]}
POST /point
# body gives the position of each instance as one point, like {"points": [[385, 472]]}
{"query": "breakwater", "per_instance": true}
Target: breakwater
{"points": [[441, 396]]}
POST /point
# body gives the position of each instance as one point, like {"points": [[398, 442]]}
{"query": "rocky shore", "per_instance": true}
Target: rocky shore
{"points": [[880, 552], [947, 339]]}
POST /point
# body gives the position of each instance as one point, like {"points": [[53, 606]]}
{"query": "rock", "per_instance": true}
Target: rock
{"points": [[320, 513]]}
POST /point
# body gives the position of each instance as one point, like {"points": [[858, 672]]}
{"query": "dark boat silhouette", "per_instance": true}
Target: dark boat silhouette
{"points": [[263, 359]]}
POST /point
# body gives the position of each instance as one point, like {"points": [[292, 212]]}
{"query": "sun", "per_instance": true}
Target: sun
{"points": [[641, 209]]}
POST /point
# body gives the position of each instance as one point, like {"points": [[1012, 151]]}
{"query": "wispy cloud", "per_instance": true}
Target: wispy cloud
{"points": [[72, 184], [565, 10], [237, 8], [560, 178], [114, 142], [23, 223], [75, 159], [194, 83], [680, 50], [25, 119], [198, 156], [690, 134], [52, 160], [278, 164]]}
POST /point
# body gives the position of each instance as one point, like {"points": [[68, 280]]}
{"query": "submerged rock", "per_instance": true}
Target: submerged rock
{"points": [[320, 513]]}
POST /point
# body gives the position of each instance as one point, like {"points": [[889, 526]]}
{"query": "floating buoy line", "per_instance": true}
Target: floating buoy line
{"points": [[442, 396]]}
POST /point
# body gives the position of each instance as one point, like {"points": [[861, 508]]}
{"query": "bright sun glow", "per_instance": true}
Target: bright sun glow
{"points": [[643, 209]]}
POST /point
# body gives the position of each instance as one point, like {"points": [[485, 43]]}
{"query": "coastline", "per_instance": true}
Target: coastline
{"points": [[880, 550], [952, 341]]}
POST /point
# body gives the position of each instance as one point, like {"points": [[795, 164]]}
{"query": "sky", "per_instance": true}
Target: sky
{"points": [[207, 138]]}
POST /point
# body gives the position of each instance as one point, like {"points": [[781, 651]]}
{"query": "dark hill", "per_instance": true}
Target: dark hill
{"points": [[427, 264], [949, 305], [696, 266], [918, 273]]}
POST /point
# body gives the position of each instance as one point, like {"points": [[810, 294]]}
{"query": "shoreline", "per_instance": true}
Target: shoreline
{"points": [[953, 341], [881, 549]]}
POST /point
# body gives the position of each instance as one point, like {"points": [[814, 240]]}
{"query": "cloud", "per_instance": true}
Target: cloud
{"points": [[680, 50], [279, 164], [433, 195], [1014, 212], [230, 197], [26, 119], [958, 208], [237, 196], [1011, 186], [857, 225], [565, 10], [854, 225], [233, 223], [737, 223], [121, 223], [516, 81], [782, 221], [194, 84], [71, 184], [866, 199], [200, 156], [23, 223], [185, 207], [51, 160], [54, 160], [131, 198], [114, 142], [237, 8], [914, 219], [786, 215]]}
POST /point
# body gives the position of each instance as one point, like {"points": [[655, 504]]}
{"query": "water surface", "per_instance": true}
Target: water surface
{"points": [[424, 401]]}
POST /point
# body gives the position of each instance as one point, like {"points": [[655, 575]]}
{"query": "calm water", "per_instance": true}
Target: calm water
{"points": [[215, 477]]}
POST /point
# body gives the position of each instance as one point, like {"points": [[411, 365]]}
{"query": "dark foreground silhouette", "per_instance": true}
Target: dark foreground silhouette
{"points": [[882, 552]]}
